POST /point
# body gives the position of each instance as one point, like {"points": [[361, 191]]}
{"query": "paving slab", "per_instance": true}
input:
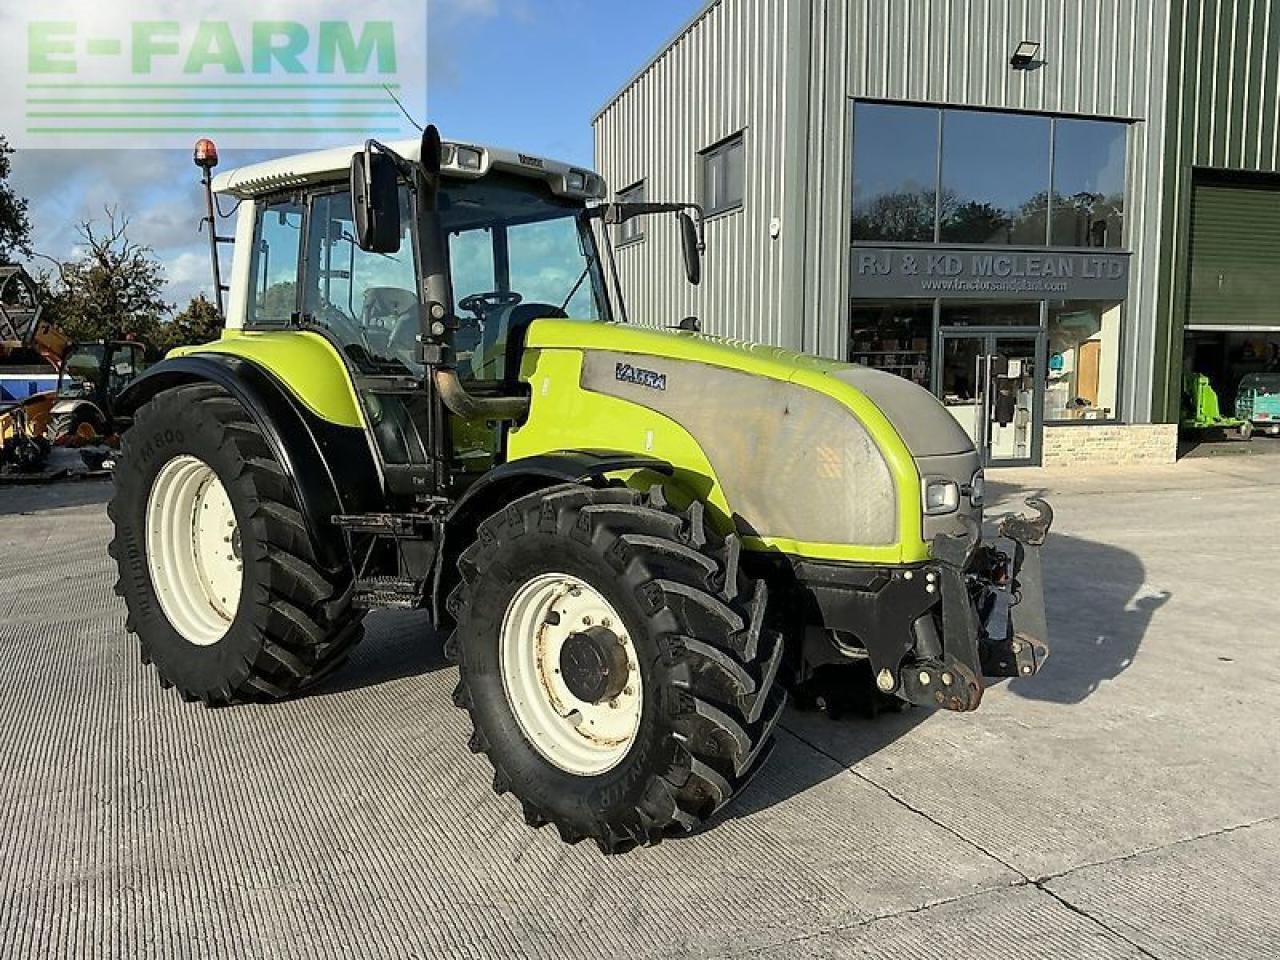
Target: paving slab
{"points": [[1155, 718], [1021, 923], [353, 822], [1207, 898]]}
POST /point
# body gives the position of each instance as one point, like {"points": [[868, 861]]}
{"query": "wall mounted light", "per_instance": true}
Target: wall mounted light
{"points": [[1025, 56]]}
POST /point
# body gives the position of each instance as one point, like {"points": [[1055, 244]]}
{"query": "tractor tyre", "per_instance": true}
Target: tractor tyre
{"points": [[223, 585], [615, 664], [79, 426]]}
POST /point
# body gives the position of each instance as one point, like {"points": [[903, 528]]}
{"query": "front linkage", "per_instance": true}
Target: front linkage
{"points": [[993, 619], [932, 632]]}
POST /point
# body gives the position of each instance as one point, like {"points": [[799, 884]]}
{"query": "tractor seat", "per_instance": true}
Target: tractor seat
{"points": [[497, 357]]}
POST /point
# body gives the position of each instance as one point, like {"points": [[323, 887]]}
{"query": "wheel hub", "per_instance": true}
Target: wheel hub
{"points": [[593, 664], [194, 551], [571, 673]]}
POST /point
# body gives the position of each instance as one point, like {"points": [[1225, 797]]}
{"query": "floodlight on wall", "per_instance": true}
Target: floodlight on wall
{"points": [[1025, 56]]}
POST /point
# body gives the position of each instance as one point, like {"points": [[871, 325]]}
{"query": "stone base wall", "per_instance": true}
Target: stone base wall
{"points": [[1087, 445]]}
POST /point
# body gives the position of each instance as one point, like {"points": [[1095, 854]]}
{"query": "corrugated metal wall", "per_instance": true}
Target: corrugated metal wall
{"points": [[725, 73], [1226, 116], [1103, 58]]}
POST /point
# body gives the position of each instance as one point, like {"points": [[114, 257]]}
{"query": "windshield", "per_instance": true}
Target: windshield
{"points": [[517, 253], [81, 369]]}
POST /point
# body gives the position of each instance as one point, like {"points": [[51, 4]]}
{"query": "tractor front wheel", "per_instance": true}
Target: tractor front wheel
{"points": [[614, 662], [223, 586]]}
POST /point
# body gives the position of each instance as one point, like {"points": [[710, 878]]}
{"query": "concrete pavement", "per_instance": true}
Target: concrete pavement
{"points": [[1125, 803]]}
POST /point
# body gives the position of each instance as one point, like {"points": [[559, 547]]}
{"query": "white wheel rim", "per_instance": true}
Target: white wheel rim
{"points": [[193, 550], [579, 737]]}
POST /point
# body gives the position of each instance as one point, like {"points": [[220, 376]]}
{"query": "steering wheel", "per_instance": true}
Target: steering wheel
{"points": [[482, 303]]}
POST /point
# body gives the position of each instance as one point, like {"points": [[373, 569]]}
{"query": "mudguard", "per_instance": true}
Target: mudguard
{"points": [[514, 479], [331, 467]]}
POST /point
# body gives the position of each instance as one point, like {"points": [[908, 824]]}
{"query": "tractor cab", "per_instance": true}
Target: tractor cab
{"points": [[91, 378]]}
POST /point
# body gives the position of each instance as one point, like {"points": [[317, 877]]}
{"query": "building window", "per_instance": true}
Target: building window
{"points": [[724, 174], [633, 229], [895, 336], [895, 169], [1088, 183], [1084, 361], [1012, 179], [995, 178]]}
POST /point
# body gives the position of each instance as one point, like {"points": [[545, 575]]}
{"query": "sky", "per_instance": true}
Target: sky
{"points": [[527, 74]]}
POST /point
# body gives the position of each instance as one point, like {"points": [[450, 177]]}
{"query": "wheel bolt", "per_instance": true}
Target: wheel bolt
{"points": [[946, 679], [586, 621], [924, 678]]}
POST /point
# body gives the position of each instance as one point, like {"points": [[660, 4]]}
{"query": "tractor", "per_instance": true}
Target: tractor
{"points": [[636, 539]]}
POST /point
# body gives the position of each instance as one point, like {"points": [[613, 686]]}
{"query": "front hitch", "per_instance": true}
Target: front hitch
{"points": [[993, 620], [1015, 632]]}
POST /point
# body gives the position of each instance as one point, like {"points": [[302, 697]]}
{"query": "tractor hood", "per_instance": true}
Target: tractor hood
{"points": [[807, 455], [922, 423]]}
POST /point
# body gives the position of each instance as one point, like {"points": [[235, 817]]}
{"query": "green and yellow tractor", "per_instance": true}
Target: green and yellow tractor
{"points": [[638, 539]]}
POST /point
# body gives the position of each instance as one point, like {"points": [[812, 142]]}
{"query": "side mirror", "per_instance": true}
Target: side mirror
{"points": [[430, 155], [692, 255], [375, 202]]}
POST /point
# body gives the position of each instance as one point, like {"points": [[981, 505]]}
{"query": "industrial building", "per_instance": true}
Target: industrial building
{"points": [[1063, 205]]}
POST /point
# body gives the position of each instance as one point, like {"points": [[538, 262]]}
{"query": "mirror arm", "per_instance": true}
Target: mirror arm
{"points": [[462, 404]]}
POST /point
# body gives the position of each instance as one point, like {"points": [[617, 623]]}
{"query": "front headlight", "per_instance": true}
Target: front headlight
{"points": [[940, 496]]}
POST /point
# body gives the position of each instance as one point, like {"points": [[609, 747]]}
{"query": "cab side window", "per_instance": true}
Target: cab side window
{"points": [[368, 301], [277, 248]]}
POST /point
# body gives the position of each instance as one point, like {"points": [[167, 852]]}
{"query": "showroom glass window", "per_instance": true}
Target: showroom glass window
{"points": [[893, 335], [895, 170], [977, 178], [1088, 183], [1083, 381], [995, 178]]}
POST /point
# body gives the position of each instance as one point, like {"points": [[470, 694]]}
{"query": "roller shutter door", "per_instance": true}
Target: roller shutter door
{"points": [[1235, 257]]}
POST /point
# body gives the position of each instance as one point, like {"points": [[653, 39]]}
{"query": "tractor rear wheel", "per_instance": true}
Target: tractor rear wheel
{"points": [[222, 583], [615, 664], [79, 426]]}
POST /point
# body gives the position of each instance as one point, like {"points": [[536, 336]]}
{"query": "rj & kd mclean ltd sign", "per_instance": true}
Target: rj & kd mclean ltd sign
{"points": [[983, 273], [293, 74]]}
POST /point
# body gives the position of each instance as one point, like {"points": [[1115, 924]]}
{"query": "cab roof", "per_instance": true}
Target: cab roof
{"points": [[462, 160]]}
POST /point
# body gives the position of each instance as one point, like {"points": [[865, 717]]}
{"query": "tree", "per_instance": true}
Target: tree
{"points": [[112, 290], [200, 322], [15, 228]]}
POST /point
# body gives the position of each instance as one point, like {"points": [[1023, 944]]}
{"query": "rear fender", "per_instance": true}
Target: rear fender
{"points": [[330, 467]]}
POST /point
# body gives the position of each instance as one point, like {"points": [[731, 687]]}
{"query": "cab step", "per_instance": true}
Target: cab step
{"points": [[377, 593]]}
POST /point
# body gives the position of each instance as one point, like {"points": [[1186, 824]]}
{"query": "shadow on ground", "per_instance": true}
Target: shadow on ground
{"points": [[1091, 643]]}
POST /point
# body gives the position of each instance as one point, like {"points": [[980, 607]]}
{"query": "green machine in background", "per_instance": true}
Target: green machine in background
{"points": [[1258, 403], [1201, 409]]}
